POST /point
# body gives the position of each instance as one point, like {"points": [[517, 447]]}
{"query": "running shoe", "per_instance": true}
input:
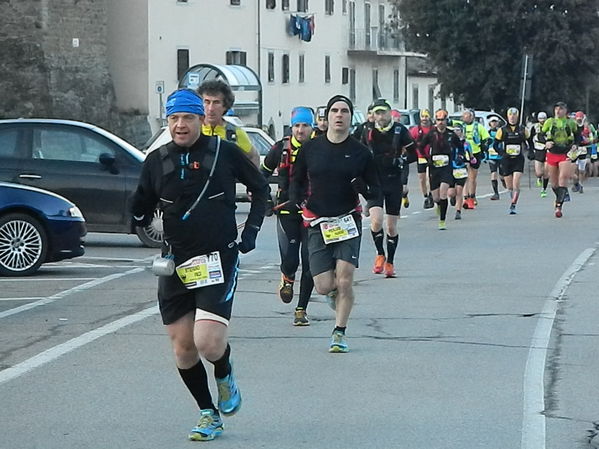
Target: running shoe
{"points": [[494, 197], [558, 212], [458, 215], [389, 271], [209, 426], [300, 319], [539, 182], [465, 204], [471, 203], [442, 226], [567, 197], [379, 263], [428, 202], [286, 289], [338, 343], [512, 210], [229, 397], [405, 201], [543, 193], [576, 187], [331, 298], [581, 190]]}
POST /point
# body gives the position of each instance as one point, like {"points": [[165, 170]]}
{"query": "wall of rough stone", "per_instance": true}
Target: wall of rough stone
{"points": [[43, 74]]}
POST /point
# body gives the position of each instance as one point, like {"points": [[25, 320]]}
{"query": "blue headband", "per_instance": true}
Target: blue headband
{"points": [[184, 100], [302, 115]]}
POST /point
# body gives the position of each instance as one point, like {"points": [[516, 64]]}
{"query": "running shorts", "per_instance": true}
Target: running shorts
{"points": [[324, 258], [554, 159]]}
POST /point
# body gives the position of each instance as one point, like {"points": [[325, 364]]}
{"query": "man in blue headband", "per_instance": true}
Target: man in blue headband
{"points": [[192, 181], [292, 234]]}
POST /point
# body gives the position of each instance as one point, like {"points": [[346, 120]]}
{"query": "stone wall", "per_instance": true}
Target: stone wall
{"points": [[45, 73]]}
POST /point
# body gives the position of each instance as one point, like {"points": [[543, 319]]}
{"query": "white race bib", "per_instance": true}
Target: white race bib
{"points": [[512, 150], [422, 160], [440, 160], [339, 229], [460, 173], [200, 271]]}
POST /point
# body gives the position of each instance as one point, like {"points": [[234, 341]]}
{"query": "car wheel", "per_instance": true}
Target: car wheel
{"points": [[23, 245], [152, 235]]}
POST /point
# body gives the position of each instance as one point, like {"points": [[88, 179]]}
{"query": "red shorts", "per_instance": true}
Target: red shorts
{"points": [[554, 159]]}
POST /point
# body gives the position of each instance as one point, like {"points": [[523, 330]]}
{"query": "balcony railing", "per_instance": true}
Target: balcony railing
{"points": [[374, 40]]}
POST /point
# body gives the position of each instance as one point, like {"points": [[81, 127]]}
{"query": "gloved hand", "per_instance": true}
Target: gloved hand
{"points": [[473, 160], [248, 238], [142, 221], [530, 155], [359, 186], [270, 204]]}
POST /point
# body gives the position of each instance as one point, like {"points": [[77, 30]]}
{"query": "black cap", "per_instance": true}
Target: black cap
{"points": [[560, 104], [321, 112], [381, 104], [337, 98]]}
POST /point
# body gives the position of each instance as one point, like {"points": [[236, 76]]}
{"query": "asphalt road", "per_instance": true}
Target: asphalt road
{"points": [[487, 339]]}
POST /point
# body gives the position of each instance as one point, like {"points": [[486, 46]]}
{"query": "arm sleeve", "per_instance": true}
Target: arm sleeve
{"points": [[498, 139], [145, 198], [243, 140], [249, 175], [271, 161], [370, 175], [299, 178]]}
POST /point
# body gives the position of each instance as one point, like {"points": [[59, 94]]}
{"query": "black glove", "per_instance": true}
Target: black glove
{"points": [[531, 155], [248, 238], [142, 221], [270, 204], [359, 186]]}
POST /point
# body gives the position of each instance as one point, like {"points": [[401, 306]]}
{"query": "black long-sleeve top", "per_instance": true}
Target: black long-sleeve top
{"points": [[327, 169], [211, 225]]}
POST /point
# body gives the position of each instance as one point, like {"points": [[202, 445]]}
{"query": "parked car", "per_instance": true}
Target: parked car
{"points": [[480, 116], [91, 167], [409, 117], [36, 226]]}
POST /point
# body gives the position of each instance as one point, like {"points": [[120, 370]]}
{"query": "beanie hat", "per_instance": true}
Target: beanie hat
{"points": [[184, 100], [321, 112], [337, 98], [302, 114]]}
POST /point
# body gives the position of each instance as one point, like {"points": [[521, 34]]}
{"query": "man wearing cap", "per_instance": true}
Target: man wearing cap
{"points": [[478, 139], [362, 130], [388, 141], [418, 133], [511, 141], [321, 122], [292, 234], [336, 168], [539, 153], [494, 157], [218, 99], [561, 137], [587, 137], [192, 180]]}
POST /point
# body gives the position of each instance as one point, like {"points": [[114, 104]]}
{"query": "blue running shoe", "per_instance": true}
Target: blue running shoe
{"points": [[229, 397], [338, 343], [209, 426]]}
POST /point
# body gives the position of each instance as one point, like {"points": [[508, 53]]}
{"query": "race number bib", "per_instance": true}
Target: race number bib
{"points": [[339, 229], [492, 152], [512, 150], [201, 271], [460, 173], [422, 160], [574, 153], [440, 160]]}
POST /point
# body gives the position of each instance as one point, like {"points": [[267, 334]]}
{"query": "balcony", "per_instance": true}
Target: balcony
{"points": [[375, 43]]}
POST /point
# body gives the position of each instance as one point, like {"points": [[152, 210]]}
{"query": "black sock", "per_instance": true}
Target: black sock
{"points": [[340, 329], [545, 183], [443, 207], [378, 238], [196, 380], [494, 183], [391, 247], [222, 366], [555, 191]]}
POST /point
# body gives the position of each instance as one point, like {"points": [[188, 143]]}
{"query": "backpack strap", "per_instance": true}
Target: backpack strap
{"points": [[230, 132]]}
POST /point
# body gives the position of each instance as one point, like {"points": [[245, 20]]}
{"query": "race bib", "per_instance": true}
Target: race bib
{"points": [[460, 173], [573, 153], [422, 160], [201, 271], [512, 150], [339, 229], [583, 150], [440, 160]]}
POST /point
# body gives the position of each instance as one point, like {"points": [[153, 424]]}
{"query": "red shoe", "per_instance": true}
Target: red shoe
{"points": [[465, 204], [558, 212], [389, 271], [379, 263], [471, 204]]}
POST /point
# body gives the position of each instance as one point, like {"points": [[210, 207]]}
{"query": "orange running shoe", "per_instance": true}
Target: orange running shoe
{"points": [[389, 271], [379, 263]]}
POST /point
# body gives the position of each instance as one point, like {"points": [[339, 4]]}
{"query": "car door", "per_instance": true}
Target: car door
{"points": [[12, 151], [66, 159]]}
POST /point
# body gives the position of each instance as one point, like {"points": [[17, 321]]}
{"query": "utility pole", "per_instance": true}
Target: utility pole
{"points": [[525, 83]]}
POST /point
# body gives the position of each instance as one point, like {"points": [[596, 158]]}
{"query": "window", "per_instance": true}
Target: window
{"points": [[8, 143], [431, 97], [182, 62], [444, 103], [235, 2], [302, 5], [344, 75], [344, 6], [367, 24], [285, 5], [302, 72], [271, 4], [352, 84], [59, 145], [352, 25], [327, 69], [271, 67], [415, 96], [329, 7], [396, 85], [236, 57], [376, 90], [382, 34], [285, 69]]}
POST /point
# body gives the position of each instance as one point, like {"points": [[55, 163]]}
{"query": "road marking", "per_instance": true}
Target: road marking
{"points": [[60, 295], [533, 419], [27, 298], [29, 279], [75, 343]]}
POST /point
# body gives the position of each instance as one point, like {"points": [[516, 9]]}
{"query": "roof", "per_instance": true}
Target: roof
{"points": [[239, 77]]}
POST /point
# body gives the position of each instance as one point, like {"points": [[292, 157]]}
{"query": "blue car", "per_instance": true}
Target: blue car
{"points": [[36, 226]]}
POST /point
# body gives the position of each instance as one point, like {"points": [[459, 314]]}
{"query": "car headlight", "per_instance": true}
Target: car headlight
{"points": [[74, 212]]}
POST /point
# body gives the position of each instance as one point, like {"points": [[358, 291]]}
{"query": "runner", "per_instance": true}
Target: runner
{"points": [[561, 136], [539, 153], [459, 159], [321, 122], [511, 143], [587, 138], [418, 133], [494, 157], [337, 168], [387, 142], [291, 232], [478, 138]]}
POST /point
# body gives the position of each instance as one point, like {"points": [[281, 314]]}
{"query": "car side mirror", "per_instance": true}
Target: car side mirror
{"points": [[108, 161]]}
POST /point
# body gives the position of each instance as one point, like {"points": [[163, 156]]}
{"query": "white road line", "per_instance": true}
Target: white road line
{"points": [[57, 296], [29, 298], [75, 343], [533, 419], [30, 279]]}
